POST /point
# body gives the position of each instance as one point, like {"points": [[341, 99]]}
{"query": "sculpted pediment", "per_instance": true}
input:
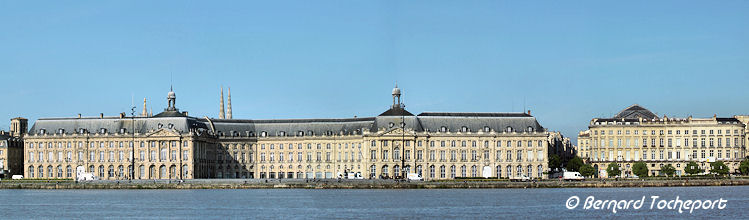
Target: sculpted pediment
{"points": [[395, 132], [162, 133]]}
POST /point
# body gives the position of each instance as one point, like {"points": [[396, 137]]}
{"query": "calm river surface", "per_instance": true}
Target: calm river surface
{"points": [[356, 204]]}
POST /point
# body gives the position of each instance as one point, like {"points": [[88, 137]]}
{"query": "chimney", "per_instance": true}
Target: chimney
{"points": [[79, 115], [185, 113], [101, 115], [122, 115], [529, 112]]}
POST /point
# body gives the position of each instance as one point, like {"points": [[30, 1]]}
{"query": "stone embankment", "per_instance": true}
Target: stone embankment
{"points": [[355, 184]]}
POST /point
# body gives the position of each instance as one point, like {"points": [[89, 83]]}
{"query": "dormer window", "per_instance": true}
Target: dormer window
{"points": [[102, 131], [310, 133], [530, 129], [282, 133], [487, 129], [329, 133], [300, 133], [464, 129], [252, 134], [160, 125], [443, 129], [508, 129], [60, 131], [220, 133], [171, 125], [235, 133], [81, 131], [263, 134], [122, 130]]}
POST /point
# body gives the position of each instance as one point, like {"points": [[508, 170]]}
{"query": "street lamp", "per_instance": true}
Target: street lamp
{"points": [[403, 145], [132, 143]]}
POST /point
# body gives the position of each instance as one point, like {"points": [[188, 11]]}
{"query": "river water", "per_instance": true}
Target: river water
{"points": [[360, 204]]}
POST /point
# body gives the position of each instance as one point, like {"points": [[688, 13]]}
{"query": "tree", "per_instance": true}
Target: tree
{"points": [[587, 170], [555, 162], [719, 168], [640, 169], [613, 170], [668, 170], [574, 164], [744, 167], [693, 168]]}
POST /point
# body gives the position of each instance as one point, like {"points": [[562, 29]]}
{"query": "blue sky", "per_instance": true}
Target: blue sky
{"points": [[567, 62]]}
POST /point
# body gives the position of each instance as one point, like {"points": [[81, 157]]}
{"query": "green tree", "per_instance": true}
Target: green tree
{"points": [[587, 170], [693, 168], [613, 170], [640, 169], [744, 167], [668, 170], [555, 162], [719, 168], [574, 164]]}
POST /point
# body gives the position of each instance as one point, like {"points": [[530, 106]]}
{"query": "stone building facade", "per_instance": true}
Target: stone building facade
{"points": [[11, 148], [173, 145], [636, 134]]}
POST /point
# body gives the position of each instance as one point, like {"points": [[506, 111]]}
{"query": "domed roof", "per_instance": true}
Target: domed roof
{"points": [[634, 112], [171, 95]]}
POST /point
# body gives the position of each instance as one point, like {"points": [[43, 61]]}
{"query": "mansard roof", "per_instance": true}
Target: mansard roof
{"points": [[113, 125]]}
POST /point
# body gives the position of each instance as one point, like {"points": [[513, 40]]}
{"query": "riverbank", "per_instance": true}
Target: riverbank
{"points": [[356, 184]]}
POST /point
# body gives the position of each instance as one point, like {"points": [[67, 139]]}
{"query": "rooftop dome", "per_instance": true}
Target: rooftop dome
{"points": [[396, 90], [634, 112]]}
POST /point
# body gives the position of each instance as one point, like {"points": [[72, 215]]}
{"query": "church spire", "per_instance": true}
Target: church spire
{"points": [[228, 113], [144, 113], [221, 107]]}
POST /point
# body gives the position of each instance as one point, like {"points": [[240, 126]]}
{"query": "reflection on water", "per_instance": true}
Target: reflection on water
{"points": [[358, 204]]}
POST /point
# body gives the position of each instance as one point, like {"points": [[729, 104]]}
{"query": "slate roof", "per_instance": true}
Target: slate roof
{"points": [[428, 121], [634, 112]]}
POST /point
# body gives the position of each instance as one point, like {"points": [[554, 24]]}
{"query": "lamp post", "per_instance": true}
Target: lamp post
{"points": [[403, 145], [132, 144]]}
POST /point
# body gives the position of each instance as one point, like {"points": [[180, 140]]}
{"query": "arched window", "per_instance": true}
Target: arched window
{"points": [[508, 129], [499, 171], [474, 172], [263, 134], [31, 171], [141, 171], [529, 169], [442, 171], [59, 171], [101, 171], [452, 171], [68, 171], [431, 171], [385, 170], [463, 171], [162, 172], [373, 171], [41, 172], [443, 129], [464, 129]]}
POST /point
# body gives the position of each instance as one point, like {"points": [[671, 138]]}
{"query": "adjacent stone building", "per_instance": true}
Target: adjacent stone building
{"points": [[636, 134], [173, 145], [11, 148]]}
